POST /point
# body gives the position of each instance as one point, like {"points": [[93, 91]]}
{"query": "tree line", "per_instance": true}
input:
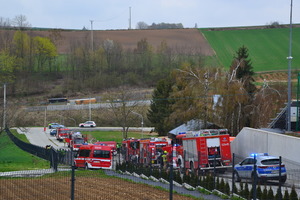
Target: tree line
{"points": [[186, 87], [227, 98]]}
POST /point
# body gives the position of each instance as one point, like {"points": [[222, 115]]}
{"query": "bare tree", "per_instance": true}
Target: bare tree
{"points": [[142, 25], [123, 104], [20, 21], [4, 22]]}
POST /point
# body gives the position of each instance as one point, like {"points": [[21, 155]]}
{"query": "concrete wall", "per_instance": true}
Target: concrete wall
{"points": [[251, 140]]}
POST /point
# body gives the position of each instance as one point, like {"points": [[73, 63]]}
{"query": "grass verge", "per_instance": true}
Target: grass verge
{"points": [[12, 158], [114, 135]]}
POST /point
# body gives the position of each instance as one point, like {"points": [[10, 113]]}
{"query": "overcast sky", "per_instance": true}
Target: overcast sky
{"points": [[114, 14]]}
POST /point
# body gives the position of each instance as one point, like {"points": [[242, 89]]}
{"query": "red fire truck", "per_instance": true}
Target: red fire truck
{"points": [[145, 151], [75, 140], [112, 144], [204, 149], [130, 149], [152, 149], [63, 133], [93, 156]]}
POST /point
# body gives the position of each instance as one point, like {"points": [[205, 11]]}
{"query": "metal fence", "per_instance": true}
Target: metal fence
{"points": [[54, 156]]}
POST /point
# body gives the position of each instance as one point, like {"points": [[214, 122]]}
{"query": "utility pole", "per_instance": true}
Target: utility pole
{"points": [[4, 106], [288, 117], [92, 37], [90, 110], [129, 18]]}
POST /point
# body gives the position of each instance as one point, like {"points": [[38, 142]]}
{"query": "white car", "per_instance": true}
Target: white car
{"points": [[87, 124]]}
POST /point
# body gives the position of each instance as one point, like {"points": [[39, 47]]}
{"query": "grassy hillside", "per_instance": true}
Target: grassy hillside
{"points": [[268, 48], [12, 158]]}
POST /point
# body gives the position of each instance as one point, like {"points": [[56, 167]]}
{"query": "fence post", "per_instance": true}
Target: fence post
{"points": [[72, 176], [54, 156], [214, 186], [255, 178], [171, 172], [279, 184], [233, 174]]}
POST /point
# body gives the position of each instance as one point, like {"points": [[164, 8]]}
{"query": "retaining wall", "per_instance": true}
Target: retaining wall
{"points": [[251, 140]]}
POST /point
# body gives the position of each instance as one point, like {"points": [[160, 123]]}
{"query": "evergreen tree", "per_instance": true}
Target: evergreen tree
{"points": [[293, 195], [235, 190], [241, 193], [218, 183], [278, 194], [271, 194], [160, 107], [246, 192], [244, 69], [264, 195], [227, 188], [222, 185], [241, 71], [286, 195], [258, 192]]}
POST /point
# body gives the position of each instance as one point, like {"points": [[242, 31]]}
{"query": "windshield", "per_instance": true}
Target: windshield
{"points": [[79, 141], [65, 131], [101, 154]]}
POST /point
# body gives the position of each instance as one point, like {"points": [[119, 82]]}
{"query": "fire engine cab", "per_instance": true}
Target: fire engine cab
{"points": [[75, 140], [94, 157], [63, 133]]}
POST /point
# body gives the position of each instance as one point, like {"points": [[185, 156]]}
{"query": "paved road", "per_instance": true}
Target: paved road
{"points": [[37, 136]]}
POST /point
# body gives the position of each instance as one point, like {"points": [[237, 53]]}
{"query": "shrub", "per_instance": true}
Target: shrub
{"points": [[264, 195], [286, 195], [246, 192], [227, 188], [293, 195], [270, 193], [258, 192]]}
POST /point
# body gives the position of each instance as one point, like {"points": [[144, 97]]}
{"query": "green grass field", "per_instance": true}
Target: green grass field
{"points": [[114, 135], [268, 48], [12, 158]]}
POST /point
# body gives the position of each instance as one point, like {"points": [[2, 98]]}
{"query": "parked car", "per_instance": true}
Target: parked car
{"points": [[55, 125], [53, 132], [267, 168], [87, 124]]}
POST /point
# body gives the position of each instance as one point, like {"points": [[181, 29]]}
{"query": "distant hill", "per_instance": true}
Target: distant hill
{"points": [[268, 47], [184, 40]]}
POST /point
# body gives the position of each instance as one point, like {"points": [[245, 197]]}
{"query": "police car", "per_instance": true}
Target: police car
{"points": [[267, 168]]}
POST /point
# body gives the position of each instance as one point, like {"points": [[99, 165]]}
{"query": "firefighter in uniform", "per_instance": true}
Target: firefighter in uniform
{"points": [[164, 159]]}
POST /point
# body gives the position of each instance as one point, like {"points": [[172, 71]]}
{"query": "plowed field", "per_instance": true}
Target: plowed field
{"points": [[181, 40], [85, 188]]}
